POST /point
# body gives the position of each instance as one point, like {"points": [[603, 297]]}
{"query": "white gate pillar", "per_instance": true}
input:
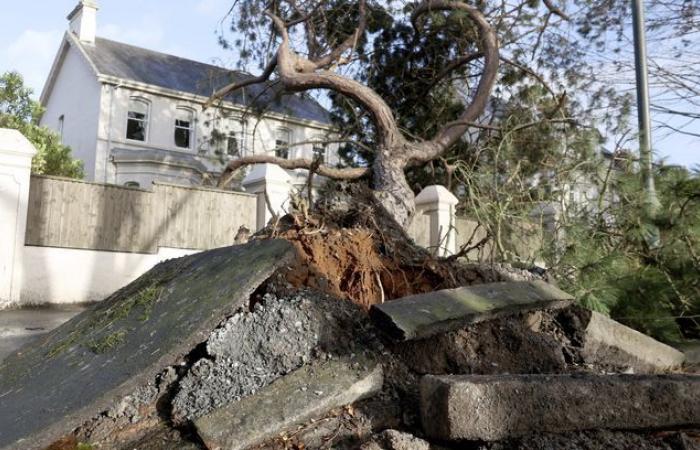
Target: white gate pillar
{"points": [[439, 204], [276, 182], [16, 154]]}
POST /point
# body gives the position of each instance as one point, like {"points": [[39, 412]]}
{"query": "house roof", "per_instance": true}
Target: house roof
{"points": [[172, 72]]}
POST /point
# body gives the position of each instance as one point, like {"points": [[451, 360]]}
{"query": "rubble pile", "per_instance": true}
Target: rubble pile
{"points": [[281, 357]]}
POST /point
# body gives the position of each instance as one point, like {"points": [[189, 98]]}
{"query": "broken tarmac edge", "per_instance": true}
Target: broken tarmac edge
{"points": [[425, 315], [36, 409]]}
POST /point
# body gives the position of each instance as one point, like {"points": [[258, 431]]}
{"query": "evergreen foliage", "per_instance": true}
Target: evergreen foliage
{"points": [[19, 112], [610, 266]]}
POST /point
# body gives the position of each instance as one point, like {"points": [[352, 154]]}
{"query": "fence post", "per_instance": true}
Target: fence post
{"points": [[273, 180], [16, 154], [439, 204]]}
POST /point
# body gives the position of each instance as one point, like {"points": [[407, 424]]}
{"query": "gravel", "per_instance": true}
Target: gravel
{"points": [[252, 349]]}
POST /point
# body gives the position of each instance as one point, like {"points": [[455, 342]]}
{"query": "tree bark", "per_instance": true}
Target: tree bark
{"points": [[391, 189]]}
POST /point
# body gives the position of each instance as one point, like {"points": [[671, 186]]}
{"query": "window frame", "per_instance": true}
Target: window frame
{"points": [[61, 125], [146, 121], [190, 129], [235, 135], [319, 144], [286, 148]]}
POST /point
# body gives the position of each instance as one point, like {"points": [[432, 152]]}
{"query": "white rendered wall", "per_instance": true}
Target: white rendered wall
{"points": [[16, 154], [260, 133], [76, 96], [63, 275]]}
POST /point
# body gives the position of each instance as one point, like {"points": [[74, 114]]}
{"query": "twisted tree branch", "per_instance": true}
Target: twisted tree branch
{"points": [[451, 132], [230, 88], [349, 43], [556, 10], [291, 164]]}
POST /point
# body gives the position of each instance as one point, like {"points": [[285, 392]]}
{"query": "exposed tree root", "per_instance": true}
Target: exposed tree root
{"points": [[358, 253]]}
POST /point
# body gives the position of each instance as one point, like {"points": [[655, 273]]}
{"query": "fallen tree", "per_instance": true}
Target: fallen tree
{"points": [[394, 149]]}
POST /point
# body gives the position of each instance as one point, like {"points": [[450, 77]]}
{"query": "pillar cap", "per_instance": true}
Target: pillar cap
{"points": [[13, 142], [436, 194], [269, 173]]}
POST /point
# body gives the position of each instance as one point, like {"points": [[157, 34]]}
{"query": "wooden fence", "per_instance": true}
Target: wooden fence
{"points": [[77, 214]]}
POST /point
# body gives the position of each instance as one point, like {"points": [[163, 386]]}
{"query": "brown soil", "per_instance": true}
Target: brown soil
{"points": [[65, 443], [546, 341], [365, 264]]}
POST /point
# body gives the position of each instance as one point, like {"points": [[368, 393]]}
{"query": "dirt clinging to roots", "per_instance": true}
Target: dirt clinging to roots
{"points": [[368, 266]]}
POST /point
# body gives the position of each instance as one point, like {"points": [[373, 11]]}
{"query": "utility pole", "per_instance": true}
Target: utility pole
{"points": [[640, 65]]}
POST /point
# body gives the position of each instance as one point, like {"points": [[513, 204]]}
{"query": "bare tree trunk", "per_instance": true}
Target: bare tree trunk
{"points": [[391, 189]]}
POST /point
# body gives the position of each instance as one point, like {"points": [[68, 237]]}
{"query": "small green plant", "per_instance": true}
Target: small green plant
{"points": [[107, 343], [145, 298]]}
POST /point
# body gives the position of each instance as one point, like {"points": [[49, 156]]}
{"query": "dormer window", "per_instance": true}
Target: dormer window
{"points": [[137, 119], [184, 127], [282, 141]]}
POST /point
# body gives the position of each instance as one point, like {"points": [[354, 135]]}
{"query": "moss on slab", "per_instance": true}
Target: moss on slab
{"points": [[107, 343], [143, 299]]}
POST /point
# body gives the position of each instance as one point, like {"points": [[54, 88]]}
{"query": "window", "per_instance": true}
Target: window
{"points": [[137, 120], [184, 127], [233, 145], [319, 151], [61, 121], [132, 184], [282, 141]]}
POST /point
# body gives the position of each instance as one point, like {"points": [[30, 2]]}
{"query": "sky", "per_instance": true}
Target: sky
{"points": [[32, 31]]}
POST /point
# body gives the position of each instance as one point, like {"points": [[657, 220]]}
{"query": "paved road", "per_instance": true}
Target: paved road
{"points": [[19, 326]]}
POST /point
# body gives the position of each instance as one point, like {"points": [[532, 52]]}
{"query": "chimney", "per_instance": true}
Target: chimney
{"points": [[83, 21]]}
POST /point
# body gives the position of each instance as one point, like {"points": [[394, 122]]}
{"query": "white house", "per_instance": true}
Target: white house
{"points": [[135, 116]]}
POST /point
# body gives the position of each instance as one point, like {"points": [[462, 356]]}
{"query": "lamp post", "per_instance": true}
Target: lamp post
{"points": [[640, 65]]}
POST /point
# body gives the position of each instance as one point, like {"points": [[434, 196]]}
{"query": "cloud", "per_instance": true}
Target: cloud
{"points": [[32, 54]]}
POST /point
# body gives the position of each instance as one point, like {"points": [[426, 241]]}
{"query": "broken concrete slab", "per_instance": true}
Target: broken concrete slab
{"points": [[599, 440], [425, 315], [611, 343], [494, 407], [253, 348], [73, 373], [302, 395], [395, 440]]}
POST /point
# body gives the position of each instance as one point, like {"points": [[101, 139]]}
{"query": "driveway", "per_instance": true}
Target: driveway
{"points": [[19, 326]]}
